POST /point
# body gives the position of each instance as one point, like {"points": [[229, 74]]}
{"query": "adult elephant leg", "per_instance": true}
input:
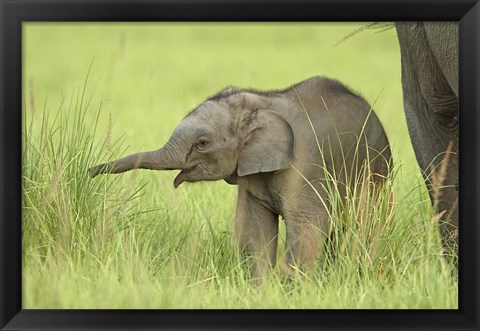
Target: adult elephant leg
{"points": [[431, 110], [256, 232]]}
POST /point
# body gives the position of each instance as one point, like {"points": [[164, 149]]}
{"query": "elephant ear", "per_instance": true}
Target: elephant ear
{"points": [[268, 143]]}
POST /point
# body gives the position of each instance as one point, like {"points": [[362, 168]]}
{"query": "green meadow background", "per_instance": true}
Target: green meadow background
{"points": [[94, 92]]}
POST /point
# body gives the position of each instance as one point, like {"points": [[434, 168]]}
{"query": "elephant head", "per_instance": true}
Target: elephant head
{"points": [[235, 133], [430, 93]]}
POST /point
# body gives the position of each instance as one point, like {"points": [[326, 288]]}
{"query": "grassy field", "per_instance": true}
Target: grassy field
{"points": [[94, 92]]}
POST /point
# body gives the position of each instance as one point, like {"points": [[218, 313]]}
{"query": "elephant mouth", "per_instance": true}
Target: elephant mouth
{"points": [[182, 176]]}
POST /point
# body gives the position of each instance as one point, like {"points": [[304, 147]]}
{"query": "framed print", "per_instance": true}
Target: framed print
{"points": [[239, 165]]}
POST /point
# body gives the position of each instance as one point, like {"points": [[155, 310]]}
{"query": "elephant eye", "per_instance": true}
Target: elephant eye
{"points": [[450, 122], [202, 144]]}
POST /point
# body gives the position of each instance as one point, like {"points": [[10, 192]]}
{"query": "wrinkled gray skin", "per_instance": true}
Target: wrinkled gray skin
{"points": [[430, 96], [252, 139]]}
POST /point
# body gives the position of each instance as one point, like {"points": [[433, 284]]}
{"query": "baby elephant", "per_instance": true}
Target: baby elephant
{"points": [[279, 148]]}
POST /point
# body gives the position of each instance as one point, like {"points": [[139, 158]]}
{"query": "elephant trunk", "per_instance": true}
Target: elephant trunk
{"points": [[161, 159]]}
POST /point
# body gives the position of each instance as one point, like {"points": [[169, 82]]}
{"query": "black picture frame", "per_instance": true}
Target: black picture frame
{"points": [[14, 12]]}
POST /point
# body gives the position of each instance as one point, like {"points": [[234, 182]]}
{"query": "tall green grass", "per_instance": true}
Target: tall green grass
{"points": [[93, 243], [131, 241]]}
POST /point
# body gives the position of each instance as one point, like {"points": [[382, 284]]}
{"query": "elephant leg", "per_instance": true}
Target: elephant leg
{"points": [[256, 232], [306, 234]]}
